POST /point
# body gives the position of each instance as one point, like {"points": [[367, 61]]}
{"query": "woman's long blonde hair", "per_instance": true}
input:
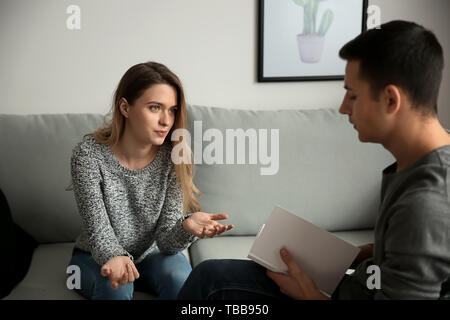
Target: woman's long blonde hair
{"points": [[132, 85]]}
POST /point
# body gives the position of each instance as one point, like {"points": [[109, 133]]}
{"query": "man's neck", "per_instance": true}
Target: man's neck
{"points": [[414, 139]]}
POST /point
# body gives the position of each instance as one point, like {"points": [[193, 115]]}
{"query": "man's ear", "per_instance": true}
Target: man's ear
{"points": [[124, 107], [392, 98]]}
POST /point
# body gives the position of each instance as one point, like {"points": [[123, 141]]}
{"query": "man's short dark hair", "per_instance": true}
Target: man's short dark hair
{"points": [[401, 53]]}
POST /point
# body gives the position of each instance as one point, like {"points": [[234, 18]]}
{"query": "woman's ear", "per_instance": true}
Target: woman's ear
{"points": [[124, 107], [392, 98]]}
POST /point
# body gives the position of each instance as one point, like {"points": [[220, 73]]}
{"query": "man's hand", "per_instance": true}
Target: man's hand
{"points": [[203, 224], [297, 284], [120, 271], [365, 253]]}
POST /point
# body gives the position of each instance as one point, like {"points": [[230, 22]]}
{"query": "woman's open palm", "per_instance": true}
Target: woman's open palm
{"points": [[203, 224]]}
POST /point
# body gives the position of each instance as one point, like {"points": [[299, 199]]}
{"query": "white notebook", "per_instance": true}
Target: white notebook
{"points": [[321, 255]]}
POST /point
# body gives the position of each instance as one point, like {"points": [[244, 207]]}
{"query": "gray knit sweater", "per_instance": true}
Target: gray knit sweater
{"points": [[124, 211]]}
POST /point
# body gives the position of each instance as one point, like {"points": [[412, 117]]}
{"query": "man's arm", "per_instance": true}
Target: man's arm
{"points": [[416, 248]]}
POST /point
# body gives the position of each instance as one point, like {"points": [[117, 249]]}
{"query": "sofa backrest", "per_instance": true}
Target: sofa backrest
{"points": [[325, 174], [35, 171]]}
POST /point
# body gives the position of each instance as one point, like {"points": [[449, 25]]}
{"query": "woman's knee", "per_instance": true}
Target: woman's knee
{"points": [[93, 285], [177, 273], [102, 291]]}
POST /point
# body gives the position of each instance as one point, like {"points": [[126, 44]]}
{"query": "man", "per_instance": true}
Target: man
{"points": [[392, 80]]}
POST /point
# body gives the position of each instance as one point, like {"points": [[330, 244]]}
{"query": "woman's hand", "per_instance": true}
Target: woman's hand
{"points": [[296, 284], [120, 271], [203, 224]]}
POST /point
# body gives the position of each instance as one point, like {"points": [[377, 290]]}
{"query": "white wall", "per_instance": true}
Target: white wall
{"points": [[434, 15], [210, 44]]}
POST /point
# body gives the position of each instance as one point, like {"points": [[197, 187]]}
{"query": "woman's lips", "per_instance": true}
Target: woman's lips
{"points": [[161, 133]]}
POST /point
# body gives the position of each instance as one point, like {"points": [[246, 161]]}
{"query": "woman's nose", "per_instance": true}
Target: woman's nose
{"points": [[164, 118]]}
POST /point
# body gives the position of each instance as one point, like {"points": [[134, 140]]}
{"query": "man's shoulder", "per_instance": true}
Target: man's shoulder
{"points": [[428, 186], [423, 190], [425, 198], [430, 175]]}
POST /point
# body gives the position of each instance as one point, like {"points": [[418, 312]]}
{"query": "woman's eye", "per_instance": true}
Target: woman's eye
{"points": [[352, 97], [154, 108], [173, 110]]}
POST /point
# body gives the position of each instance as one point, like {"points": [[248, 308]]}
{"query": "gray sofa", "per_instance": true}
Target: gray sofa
{"points": [[325, 175]]}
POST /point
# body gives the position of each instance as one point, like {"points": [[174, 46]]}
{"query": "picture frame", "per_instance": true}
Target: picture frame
{"points": [[299, 40]]}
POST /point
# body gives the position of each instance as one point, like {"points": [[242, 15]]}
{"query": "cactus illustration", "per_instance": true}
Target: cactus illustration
{"points": [[325, 24], [310, 9]]}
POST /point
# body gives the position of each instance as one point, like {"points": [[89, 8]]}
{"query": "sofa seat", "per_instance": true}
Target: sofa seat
{"points": [[237, 247]]}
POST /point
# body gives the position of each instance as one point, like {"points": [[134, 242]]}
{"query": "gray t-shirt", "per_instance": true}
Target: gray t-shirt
{"points": [[412, 234], [124, 211]]}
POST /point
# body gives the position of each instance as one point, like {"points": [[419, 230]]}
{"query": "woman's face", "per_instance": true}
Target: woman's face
{"points": [[152, 115]]}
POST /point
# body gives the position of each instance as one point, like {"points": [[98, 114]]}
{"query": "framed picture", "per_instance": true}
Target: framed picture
{"points": [[299, 40]]}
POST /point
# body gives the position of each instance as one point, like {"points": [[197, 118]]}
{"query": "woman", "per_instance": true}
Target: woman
{"points": [[131, 197]]}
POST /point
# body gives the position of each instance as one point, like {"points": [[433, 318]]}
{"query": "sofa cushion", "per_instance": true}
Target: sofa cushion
{"points": [[46, 279], [325, 174], [238, 247]]}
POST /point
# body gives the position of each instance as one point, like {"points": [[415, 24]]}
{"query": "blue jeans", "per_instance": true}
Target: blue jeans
{"points": [[159, 274], [229, 279]]}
